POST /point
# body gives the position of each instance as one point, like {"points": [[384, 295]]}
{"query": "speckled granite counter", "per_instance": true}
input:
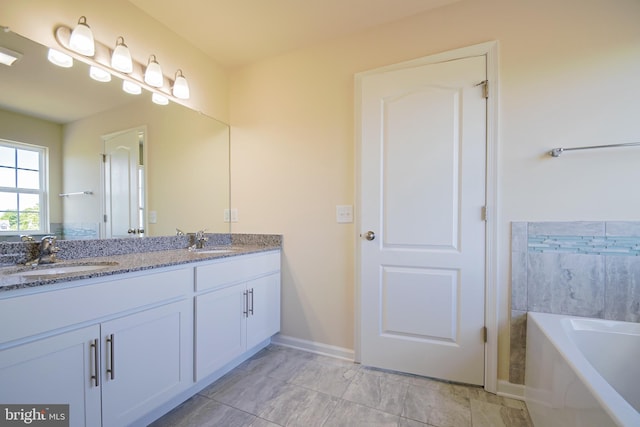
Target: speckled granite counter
{"points": [[118, 256]]}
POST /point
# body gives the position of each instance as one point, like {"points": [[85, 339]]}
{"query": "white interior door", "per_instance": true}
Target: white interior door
{"points": [[422, 192], [124, 215]]}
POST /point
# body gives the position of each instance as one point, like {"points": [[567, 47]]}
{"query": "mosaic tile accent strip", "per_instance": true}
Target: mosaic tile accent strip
{"points": [[588, 245]]}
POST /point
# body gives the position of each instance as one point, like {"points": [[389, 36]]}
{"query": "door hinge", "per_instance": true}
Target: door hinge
{"points": [[104, 158], [104, 218], [484, 333], [483, 213], [485, 88]]}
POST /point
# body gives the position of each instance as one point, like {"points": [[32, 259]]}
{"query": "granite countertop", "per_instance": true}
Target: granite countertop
{"points": [[19, 276]]}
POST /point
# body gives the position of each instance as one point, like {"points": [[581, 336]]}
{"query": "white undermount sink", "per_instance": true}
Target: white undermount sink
{"points": [[212, 251], [57, 269]]}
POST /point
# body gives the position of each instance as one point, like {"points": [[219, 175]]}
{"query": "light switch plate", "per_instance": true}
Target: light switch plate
{"points": [[231, 215], [153, 217], [344, 213]]}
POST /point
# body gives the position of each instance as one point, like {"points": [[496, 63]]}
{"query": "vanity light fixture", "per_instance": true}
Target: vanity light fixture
{"points": [[8, 56], [159, 99], [130, 87], [180, 86], [153, 74], [106, 62], [121, 57], [59, 58], [81, 39], [98, 74]]}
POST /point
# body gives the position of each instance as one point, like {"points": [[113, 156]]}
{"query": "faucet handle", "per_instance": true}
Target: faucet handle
{"points": [[49, 243]]}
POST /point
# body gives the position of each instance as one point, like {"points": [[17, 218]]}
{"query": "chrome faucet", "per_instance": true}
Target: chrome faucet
{"points": [[47, 250], [200, 240]]}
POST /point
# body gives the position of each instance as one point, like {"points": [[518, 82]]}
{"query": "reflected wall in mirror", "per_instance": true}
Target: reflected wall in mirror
{"points": [[185, 155]]}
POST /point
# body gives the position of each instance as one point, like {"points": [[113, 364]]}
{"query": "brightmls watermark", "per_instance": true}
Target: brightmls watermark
{"points": [[34, 415]]}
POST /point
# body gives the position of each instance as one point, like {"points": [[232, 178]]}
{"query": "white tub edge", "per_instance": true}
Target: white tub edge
{"points": [[614, 405]]}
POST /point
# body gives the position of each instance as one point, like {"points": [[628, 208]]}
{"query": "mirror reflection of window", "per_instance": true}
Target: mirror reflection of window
{"points": [[23, 207]]}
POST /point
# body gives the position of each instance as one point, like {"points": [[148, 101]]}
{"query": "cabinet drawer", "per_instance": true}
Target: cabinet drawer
{"points": [[236, 269], [58, 308]]}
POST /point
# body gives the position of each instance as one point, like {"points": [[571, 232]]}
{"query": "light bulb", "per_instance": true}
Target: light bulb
{"points": [[180, 86], [121, 57], [153, 74], [8, 56], [60, 59], [159, 99], [131, 87], [98, 74], [81, 39]]}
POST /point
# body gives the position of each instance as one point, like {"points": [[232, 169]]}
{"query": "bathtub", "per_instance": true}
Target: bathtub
{"points": [[582, 372]]}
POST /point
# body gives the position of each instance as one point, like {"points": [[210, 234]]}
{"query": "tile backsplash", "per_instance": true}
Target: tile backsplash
{"points": [[578, 268]]}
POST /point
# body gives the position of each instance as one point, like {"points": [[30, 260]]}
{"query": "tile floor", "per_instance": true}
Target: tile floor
{"points": [[280, 386]]}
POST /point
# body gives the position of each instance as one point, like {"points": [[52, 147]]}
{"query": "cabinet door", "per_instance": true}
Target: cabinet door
{"points": [[220, 328], [147, 359], [55, 370], [264, 309]]}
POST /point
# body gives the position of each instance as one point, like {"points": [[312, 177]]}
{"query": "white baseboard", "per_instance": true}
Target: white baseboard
{"points": [[314, 347], [513, 391]]}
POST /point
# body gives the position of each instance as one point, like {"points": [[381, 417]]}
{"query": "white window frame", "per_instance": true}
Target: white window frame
{"points": [[43, 191]]}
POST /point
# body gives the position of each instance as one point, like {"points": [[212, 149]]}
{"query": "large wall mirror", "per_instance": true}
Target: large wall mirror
{"points": [[97, 137]]}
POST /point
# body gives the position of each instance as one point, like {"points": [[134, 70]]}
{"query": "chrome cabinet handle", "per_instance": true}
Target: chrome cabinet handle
{"points": [[111, 369], [251, 309], [245, 307], [369, 235], [96, 358]]}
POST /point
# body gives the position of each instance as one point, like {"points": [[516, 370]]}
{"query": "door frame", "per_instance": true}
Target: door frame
{"points": [[492, 315]]}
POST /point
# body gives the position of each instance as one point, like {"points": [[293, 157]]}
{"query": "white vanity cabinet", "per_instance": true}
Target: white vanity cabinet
{"points": [[123, 350], [57, 370], [134, 356], [146, 360], [237, 307]]}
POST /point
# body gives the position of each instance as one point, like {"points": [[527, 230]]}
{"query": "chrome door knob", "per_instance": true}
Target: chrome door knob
{"points": [[369, 235]]}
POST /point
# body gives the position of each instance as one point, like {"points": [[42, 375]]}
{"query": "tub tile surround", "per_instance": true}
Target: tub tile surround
{"points": [[578, 268]]}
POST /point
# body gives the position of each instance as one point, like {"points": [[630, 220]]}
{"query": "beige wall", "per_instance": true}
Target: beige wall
{"points": [[20, 128], [569, 77], [37, 19]]}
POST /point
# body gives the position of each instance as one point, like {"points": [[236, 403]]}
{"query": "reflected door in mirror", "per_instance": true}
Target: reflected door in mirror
{"points": [[124, 184]]}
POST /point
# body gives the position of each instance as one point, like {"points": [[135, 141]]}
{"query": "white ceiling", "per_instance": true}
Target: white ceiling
{"points": [[237, 32]]}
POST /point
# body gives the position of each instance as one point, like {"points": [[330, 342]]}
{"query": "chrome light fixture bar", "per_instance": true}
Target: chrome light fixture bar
{"points": [[115, 63]]}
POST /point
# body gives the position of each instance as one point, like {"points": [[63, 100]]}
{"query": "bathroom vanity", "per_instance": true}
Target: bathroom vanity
{"points": [[125, 343]]}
